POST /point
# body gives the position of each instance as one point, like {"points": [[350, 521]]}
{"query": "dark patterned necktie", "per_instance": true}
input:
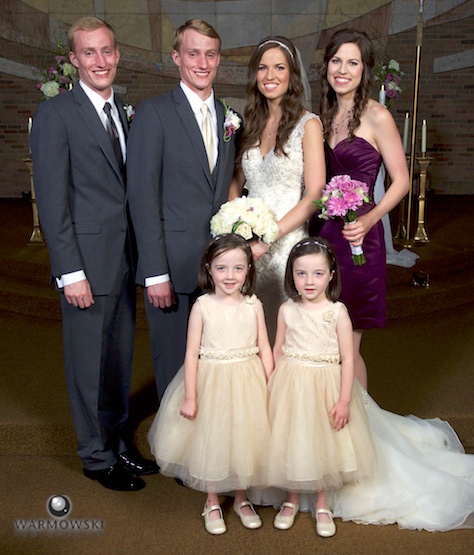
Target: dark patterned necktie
{"points": [[114, 135]]}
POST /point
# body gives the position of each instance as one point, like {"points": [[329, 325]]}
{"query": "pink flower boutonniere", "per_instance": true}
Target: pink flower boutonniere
{"points": [[129, 112], [232, 123]]}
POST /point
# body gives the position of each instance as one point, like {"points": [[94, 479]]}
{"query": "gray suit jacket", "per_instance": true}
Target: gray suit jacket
{"points": [[80, 191], [172, 194]]}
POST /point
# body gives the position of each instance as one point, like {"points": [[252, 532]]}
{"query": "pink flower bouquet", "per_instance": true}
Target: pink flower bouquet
{"points": [[340, 199]]}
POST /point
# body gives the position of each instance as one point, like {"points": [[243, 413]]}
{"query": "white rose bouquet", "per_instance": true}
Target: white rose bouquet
{"points": [[246, 216]]}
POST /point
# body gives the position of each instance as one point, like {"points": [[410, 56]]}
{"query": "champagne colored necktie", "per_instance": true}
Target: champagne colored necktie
{"points": [[208, 135], [114, 135]]}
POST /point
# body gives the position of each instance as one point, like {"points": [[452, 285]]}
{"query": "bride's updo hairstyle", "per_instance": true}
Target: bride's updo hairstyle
{"points": [[328, 105], [313, 245], [256, 110], [219, 245]]}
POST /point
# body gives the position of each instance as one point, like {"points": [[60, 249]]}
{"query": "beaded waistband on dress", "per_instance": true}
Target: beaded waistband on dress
{"points": [[215, 354], [312, 357]]}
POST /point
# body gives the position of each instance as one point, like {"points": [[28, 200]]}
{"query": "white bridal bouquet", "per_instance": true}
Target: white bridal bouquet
{"points": [[246, 216]]}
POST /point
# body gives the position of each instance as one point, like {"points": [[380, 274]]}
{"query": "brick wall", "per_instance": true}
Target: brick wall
{"points": [[445, 101]]}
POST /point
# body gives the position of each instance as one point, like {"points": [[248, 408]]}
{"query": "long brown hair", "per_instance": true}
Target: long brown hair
{"points": [[256, 111], [328, 105]]}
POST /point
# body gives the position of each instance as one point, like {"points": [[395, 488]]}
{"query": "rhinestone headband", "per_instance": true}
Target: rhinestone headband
{"points": [[310, 242], [279, 43]]}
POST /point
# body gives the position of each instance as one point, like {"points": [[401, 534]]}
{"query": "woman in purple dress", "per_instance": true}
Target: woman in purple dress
{"points": [[359, 135]]}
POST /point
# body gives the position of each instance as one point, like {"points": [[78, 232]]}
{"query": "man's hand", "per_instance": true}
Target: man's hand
{"points": [[79, 294], [161, 295]]}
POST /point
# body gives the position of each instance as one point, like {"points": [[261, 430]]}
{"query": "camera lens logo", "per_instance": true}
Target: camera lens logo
{"points": [[59, 506]]}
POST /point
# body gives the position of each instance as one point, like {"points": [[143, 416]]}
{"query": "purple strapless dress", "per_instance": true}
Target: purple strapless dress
{"points": [[363, 287]]}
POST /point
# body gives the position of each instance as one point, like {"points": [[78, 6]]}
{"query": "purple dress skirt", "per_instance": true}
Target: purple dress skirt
{"points": [[363, 287]]}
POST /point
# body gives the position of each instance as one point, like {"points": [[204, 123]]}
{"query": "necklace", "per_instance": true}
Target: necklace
{"points": [[336, 127]]}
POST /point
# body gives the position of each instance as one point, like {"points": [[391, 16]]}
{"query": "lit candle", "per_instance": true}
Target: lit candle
{"points": [[30, 124], [423, 138], [382, 95], [405, 131]]}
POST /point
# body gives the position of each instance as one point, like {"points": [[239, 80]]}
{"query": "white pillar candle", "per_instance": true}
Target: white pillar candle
{"points": [[423, 137], [382, 95], [30, 123], [405, 131]]}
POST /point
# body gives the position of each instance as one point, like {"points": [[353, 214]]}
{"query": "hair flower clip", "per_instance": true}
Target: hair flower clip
{"points": [[232, 122]]}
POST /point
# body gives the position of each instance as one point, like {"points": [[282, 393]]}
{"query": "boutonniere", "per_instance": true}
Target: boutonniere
{"points": [[129, 112], [231, 122]]}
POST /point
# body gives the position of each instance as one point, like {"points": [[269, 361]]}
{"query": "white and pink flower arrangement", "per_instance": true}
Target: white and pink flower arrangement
{"points": [[390, 75], [59, 77], [341, 198], [249, 217]]}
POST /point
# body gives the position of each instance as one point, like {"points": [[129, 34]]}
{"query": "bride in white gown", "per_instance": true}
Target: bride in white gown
{"points": [[281, 161]]}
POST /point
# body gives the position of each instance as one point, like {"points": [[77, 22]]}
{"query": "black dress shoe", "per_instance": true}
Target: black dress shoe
{"points": [[116, 477], [138, 465]]}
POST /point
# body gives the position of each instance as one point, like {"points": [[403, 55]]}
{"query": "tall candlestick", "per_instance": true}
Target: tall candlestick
{"points": [[30, 124], [382, 95], [423, 138], [405, 131]]}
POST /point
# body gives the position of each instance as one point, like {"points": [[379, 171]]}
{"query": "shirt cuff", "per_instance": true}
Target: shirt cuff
{"points": [[155, 280], [69, 279]]}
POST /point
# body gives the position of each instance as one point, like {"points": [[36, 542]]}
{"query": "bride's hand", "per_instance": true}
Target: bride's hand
{"points": [[259, 248]]}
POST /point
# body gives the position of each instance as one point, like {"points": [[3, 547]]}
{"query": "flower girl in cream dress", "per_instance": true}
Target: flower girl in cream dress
{"points": [[211, 430]]}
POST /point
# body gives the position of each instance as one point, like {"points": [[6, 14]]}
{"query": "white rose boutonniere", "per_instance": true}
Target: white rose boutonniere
{"points": [[232, 123], [129, 112]]}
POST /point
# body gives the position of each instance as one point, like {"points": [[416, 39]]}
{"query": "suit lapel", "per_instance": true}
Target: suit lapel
{"points": [[122, 116], [224, 147], [94, 124], [191, 127]]}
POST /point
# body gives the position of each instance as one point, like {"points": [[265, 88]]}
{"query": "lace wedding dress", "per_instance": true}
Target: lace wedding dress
{"points": [[278, 181]]}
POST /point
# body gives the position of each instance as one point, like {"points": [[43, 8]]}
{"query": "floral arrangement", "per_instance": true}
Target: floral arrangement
{"points": [[129, 112], [390, 75], [58, 78], [340, 199], [232, 122], [246, 216]]}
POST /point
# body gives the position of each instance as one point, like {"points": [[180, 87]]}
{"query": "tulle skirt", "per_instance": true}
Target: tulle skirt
{"points": [[226, 447], [306, 453]]}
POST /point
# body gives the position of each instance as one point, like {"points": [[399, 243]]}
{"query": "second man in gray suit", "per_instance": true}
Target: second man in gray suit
{"points": [[176, 184]]}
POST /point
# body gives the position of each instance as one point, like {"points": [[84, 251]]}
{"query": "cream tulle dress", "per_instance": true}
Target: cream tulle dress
{"points": [[226, 447], [392, 468], [306, 454]]}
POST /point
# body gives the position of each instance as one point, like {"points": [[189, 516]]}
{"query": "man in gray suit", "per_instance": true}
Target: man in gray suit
{"points": [[78, 153], [175, 185]]}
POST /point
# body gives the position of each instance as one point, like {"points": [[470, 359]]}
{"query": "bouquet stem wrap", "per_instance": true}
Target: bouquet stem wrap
{"points": [[357, 252]]}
